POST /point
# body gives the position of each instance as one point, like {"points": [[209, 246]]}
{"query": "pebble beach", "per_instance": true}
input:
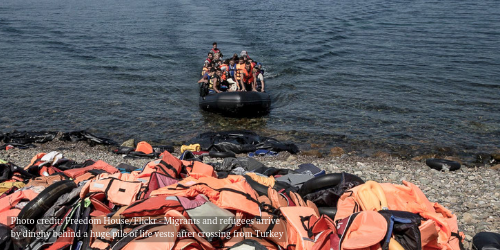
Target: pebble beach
{"points": [[473, 194]]}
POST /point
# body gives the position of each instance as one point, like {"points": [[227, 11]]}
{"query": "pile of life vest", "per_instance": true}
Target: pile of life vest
{"points": [[55, 203]]}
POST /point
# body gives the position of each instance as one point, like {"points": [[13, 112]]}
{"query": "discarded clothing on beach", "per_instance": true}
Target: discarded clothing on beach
{"points": [[83, 135], [240, 142], [262, 152], [24, 137], [246, 163], [309, 168]]}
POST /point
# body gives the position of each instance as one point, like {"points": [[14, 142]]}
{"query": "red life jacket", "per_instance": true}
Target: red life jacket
{"points": [[215, 50]]}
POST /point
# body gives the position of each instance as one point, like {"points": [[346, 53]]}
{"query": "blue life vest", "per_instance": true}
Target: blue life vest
{"points": [[232, 70]]}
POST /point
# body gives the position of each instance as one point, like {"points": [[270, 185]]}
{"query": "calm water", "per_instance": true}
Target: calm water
{"points": [[373, 75]]}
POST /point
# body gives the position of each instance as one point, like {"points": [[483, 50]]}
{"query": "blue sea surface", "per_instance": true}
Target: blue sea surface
{"points": [[374, 75]]}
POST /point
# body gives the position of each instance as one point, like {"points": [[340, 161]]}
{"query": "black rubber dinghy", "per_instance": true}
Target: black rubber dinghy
{"points": [[326, 181], [328, 211], [38, 206], [249, 103], [486, 241]]}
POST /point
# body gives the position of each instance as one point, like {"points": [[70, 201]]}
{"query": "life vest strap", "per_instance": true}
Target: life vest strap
{"points": [[162, 162]]}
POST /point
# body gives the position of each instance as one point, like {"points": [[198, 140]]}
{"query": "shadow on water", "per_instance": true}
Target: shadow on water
{"points": [[216, 122]]}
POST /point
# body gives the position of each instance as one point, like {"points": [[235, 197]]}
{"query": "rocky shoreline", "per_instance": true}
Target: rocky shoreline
{"points": [[472, 193]]}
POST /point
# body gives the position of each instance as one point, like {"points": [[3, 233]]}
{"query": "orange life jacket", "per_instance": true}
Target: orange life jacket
{"points": [[104, 234], [241, 235], [271, 223], [298, 234], [34, 159], [222, 66], [247, 75], [45, 181], [325, 230], [232, 193], [239, 69], [167, 165], [177, 216], [407, 197], [64, 241], [198, 169], [153, 206], [144, 147], [76, 172], [365, 231], [264, 180], [117, 191], [7, 204]]}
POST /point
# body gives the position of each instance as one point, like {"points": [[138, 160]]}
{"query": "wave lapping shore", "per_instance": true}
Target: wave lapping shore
{"points": [[473, 194]]}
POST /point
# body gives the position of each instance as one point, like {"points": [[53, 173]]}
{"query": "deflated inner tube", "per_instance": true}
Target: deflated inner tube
{"points": [[215, 154], [442, 164], [328, 211], [38, 206], [486, 241], [320, 182], [261, 189]]}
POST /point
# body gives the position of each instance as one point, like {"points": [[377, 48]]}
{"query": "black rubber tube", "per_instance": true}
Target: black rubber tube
{"points": [[441, 164], [328, 211], [215, 154], [486, 241], [42, 202], [261, 189], [320, 182]]}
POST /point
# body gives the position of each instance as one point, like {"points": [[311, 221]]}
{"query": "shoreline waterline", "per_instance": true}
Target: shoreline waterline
{"points": [[322, 146]]}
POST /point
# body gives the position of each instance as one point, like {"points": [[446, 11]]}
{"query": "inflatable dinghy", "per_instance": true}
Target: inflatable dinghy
{"points": [[250, 103]]}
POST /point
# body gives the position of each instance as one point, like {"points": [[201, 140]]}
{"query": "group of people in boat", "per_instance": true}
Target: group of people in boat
{"points": [[238, 73]]}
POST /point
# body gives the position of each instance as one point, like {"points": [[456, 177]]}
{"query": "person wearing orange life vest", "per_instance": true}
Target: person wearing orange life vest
{"points": [[239, 68], [206, 73], [224, 66], [208, 80], [247, 82], [218, 82], [206, 68], [250, 60]]}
